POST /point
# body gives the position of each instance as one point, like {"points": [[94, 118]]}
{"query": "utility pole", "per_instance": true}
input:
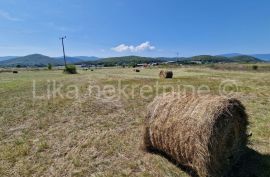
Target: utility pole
{"points": [[62, 38]]}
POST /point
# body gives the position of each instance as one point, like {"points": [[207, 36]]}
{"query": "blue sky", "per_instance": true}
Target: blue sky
{"points": [[134, 27]]}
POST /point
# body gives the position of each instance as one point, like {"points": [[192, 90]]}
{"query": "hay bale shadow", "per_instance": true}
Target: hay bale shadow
{"points": [[252, 164]]}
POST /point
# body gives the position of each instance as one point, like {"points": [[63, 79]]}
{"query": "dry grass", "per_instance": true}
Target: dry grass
{"points": [[93, 137]]}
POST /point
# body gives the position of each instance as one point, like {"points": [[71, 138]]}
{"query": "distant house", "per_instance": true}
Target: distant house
{"points": [[154, 64], [196, 62], [98, 66], [142, 65], [84, 66], [169, 62]]}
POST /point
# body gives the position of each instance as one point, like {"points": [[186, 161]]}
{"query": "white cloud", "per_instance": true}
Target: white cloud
{"points": [[142, 47], [121, 48], [7, 16]]}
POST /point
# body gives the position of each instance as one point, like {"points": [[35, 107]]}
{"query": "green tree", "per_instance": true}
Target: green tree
{"points": [[49, 66]]}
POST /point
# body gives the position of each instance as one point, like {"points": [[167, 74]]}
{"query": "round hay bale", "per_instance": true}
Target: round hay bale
{"points": [[162, 74], [165, 74], [206, 134], [137, 70], [15, 72]]}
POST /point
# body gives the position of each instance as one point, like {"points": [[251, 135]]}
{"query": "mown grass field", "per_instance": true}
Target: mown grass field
{"points": [[87, 134]]}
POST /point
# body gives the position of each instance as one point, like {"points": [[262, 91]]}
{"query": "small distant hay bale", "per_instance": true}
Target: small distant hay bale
{"points": [[92, 70], [137, 70], [205, 134], [15, 72], [165, 74]]}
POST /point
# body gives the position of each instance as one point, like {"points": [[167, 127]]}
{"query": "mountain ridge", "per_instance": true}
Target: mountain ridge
{"points": [[203, 59], [3, 58], [41, 60], [38, 60], [265, 57]]}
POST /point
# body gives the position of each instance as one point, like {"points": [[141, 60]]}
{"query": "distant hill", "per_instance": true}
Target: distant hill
{"points": [[37, 60], [222, 59], [208, 59], [265, 57], [125, 60], [6, 58], [87, 58], [70, 60], [204, 59], [171, 58], [77, 59], [244, 58], [228, 55]]}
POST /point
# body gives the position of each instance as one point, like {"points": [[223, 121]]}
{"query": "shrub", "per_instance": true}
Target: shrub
{"points": [[255, 67], [49, 66], [70, 69]]}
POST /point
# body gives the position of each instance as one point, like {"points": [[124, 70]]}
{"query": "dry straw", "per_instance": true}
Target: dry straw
{"points": [[165, 74], [206, 134]]}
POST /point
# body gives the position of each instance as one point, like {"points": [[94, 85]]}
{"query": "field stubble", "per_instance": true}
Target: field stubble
{"points": [[92, 136]]}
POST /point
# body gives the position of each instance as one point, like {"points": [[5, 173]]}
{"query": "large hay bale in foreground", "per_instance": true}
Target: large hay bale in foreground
{"points": [[206, 134], [165, 74]]}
